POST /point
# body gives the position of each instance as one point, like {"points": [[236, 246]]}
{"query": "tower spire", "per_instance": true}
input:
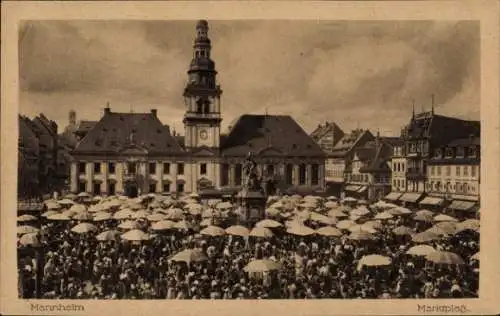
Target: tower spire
{"points": [[202, 94], [432, 103], [413, 108]]}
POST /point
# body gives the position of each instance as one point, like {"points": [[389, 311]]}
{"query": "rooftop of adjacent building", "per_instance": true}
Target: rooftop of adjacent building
{"points": [[441, 129], [329, 127], [349, 142], [376, 153], [276, 135], [117, 131]]}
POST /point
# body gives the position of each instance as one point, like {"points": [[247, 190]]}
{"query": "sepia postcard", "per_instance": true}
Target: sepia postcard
{"points": [[213, 157]]}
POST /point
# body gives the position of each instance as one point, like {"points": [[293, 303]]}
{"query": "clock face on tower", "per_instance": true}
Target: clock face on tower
{"points": [[203, 134]]}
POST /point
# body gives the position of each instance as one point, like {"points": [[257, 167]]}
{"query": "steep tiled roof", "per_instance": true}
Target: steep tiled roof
{"points": [[329, 127], [379, 156], [366, 154], [349, 141], [84, 127], [117, 131], [469, 141], [440, 129], [269, 134], [392, 141], [179, 139], [27, 137]]}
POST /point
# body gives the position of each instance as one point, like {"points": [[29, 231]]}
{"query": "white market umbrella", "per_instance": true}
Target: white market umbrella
{"points": [[102, 216], [300, 230], [420, 250], [163, 225], [129, 225], [135, 235], [84, 228], [26, 218], [329, 231], [261, 266], [189, 255], [269, 223], [444, 218], [261, 232], [444, 257], [374, 261], [66, 202], [237, 230], [26, 229], [213, 231]]}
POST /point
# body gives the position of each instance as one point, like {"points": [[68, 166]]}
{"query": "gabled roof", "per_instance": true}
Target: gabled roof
{"points": [[349, 141], [377, 157], [366, 153], [329, 127], [45, 125], [27, 137], [84, 127], [141, 132], [269, 135]]}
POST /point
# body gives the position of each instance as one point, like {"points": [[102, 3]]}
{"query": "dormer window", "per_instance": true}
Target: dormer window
{"points": [[472, 152], [460, 152], [438, 153], [449, 153]]}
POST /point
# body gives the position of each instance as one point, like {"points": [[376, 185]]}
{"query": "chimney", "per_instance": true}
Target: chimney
{"points": [[154, 112], [53, 126], [471, 138], [72, 118], [107, 109]]}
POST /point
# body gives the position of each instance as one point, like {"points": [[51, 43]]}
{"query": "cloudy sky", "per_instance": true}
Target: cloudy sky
{"points": [[357, 74]]}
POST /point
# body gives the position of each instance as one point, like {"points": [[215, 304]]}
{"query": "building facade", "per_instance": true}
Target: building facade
{"points": [[369, 177], [453, 174], [425, 133], [43, 152], [135, 153], [327, 136], [28, 159], [339, 160], [398, 171]]}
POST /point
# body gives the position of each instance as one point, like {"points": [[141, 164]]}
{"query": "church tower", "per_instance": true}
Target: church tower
{"points": [[202, 95]]}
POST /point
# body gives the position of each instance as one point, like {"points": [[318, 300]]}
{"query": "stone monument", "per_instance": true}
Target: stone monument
{"points": [[251, 199]]}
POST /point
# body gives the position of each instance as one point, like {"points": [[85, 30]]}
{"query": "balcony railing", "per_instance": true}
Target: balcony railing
{"points": [[415, 174], [202, 115]]}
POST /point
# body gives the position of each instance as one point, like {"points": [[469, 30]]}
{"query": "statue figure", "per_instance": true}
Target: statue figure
{"points": [[251, 180]]}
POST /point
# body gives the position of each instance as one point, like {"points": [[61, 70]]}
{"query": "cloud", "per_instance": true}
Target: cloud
{"points": [[354, 73]]}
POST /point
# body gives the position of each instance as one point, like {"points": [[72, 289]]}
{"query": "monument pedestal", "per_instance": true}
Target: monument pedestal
{"points": [[252, 205]]}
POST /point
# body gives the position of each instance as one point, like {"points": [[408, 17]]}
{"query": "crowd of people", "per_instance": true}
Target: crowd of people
{"points": [[157, 247]]}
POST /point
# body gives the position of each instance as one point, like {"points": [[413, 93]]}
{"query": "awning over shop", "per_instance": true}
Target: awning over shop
{"points": [[362, 189], [352, 188], [27, 206], [430, 200], [410, 197], [461, 205], [393, 196]]}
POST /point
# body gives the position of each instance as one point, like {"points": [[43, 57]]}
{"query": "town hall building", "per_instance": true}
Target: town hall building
{"points": [[135, 153]]}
